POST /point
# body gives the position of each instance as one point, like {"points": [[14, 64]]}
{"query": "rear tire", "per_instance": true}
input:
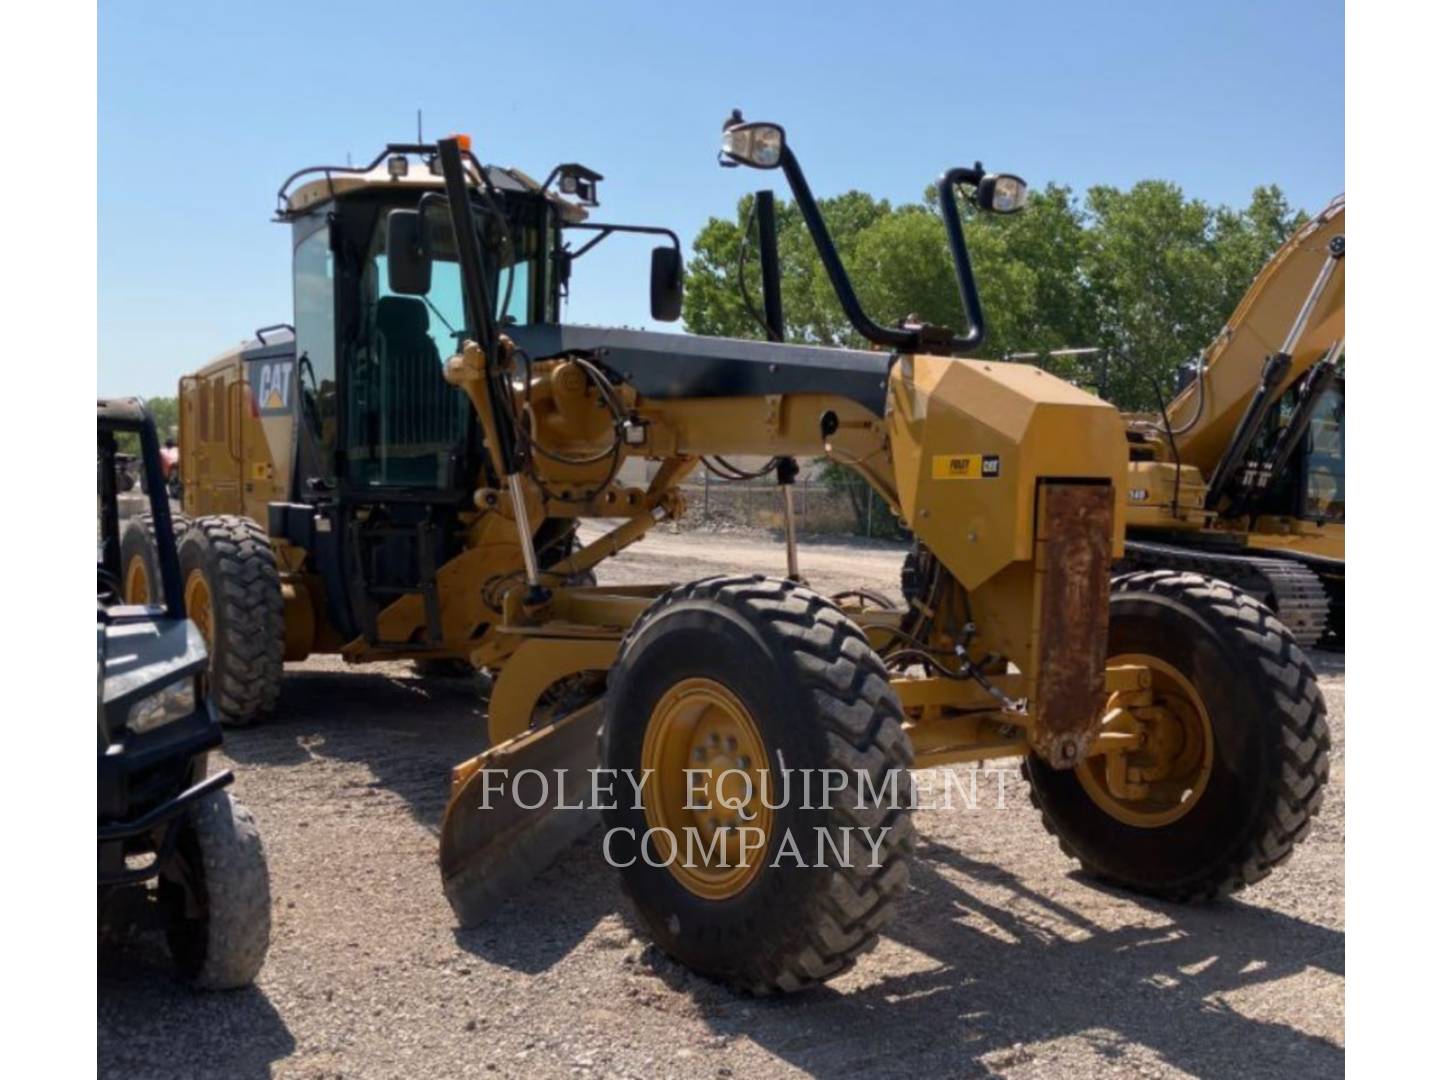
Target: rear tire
{"points": [[818, 698], [245, 627], [1270, 745], [219, 937]]}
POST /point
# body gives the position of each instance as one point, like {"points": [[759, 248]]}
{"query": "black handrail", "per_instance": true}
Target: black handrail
{"points": [[427, 150], [348, 170]]}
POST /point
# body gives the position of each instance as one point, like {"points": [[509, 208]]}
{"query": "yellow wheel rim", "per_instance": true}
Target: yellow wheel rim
{"points": [[137, 581], [697, 817], [197, 606], [1174, 761]]}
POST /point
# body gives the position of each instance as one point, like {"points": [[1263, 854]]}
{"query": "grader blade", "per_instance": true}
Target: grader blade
{"points": [[490, 843]]}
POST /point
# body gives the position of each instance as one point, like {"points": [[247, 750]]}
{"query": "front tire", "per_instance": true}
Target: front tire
{"points": [[232, 592], [218, 897], [744, 671], [1257, 773]]}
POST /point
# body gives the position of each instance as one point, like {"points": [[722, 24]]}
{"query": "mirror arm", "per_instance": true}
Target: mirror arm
{"points": [[903, 340], [605, 230], [770, 265], [906, 339], [960, 256]]}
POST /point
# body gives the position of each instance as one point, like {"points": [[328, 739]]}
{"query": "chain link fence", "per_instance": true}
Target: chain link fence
{"points": [[830, 502]]}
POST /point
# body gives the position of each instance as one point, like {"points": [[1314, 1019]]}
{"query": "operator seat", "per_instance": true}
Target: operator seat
{"points": [[421, 408]]}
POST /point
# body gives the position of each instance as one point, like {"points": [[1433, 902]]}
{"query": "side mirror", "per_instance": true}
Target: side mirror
{"points": [[1001, 193], [407, 260], [759, 145], [667, 283]]}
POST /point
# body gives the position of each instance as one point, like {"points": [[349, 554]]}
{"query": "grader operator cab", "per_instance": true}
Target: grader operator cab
{"points": [[347, 498], [1242, 476]]}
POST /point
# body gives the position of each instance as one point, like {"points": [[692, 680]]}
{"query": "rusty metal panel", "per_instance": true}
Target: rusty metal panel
{"points": [[1073, 556]]}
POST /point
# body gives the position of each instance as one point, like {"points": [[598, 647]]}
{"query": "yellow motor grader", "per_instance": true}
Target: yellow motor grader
{"points": [[401, 473], [1242, 475]]}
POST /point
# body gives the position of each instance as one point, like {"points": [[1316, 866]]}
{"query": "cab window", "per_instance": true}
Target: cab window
{"points": [[405, 424], [315, 341], [1325, 463]]}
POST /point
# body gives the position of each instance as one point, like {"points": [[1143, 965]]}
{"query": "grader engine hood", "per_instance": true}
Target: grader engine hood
{"points": [[1011, 477], [973, 439]]}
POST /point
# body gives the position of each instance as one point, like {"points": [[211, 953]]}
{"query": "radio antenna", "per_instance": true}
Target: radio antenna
{"points": [[419, 129]]}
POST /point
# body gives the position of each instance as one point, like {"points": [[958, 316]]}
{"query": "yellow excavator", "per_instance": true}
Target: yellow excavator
{"points": [[1242, 476], [399, 475]]}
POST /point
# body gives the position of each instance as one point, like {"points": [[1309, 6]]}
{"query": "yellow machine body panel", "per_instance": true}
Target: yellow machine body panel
{"points": [[1154, 497], [972, 439], [237, 432]]}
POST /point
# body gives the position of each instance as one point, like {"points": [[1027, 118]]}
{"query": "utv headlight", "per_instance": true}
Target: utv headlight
{"points": [[173, 702]]}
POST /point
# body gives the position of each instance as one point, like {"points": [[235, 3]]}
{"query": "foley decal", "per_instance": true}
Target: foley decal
{"points": [[272, 386], [965, 466]]}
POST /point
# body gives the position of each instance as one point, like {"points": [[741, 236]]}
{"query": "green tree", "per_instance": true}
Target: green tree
{"points": [[166, 412], [1165, 272], [167, 417], [714, 299]]}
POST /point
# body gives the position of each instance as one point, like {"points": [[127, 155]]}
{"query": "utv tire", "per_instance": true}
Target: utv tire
{"points": [[819, 698], [219, 934], [139, 561], [1270, 745], [245, 622]]}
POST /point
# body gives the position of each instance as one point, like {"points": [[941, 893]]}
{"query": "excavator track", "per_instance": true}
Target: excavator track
{"points": [[1293, 591]]}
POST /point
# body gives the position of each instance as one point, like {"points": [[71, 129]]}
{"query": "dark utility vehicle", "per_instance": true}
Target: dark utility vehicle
{"points": [[176, 850]]}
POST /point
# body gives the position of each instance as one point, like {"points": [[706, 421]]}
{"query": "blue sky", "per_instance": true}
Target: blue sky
{"points": [[204, 107]]}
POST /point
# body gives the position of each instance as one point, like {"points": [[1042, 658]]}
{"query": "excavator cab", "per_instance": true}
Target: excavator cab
{"points": [[1311, 484]]}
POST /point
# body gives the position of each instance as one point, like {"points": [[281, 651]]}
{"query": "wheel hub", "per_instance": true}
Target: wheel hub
{"points": [[708, 788], [198, 607], [1155, 752]]}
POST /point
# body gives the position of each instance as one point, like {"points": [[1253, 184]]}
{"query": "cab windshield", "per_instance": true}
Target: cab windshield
{"points": [[407, 426]]}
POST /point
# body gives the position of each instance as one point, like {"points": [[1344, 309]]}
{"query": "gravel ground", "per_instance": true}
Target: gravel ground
{"points": [[1003, 959]]}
